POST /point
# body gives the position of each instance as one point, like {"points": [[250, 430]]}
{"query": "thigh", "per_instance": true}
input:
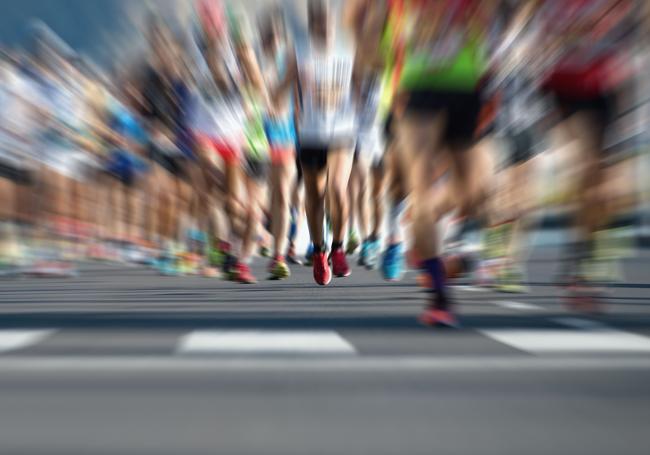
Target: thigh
{"points": [[339, 167], [314, 180], [419, 149]]}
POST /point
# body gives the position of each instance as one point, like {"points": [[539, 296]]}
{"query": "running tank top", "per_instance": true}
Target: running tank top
{"points": [[257, 146], [327, 109], [280, 129], [369, 101], [217, 112], [590, 38], [437, 44]]}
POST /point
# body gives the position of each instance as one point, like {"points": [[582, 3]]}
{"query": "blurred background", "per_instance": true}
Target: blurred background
{"points": [[126, 236]]}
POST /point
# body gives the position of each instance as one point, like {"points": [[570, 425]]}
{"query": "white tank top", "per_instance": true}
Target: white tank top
{"points": [[325, 76]]}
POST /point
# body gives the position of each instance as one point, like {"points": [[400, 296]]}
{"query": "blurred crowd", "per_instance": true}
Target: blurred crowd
{"points": [[393, 127]]}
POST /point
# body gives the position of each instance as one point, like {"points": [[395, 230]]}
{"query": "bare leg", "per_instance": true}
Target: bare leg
{"points": [[339, 166]]}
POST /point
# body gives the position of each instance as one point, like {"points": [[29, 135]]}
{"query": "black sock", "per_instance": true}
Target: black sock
{"points": [[336, 245], [317, 248]]}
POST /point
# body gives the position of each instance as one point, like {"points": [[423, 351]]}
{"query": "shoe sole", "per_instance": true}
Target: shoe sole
{"points": [[278, 277], [392, 280], [438, 324]]}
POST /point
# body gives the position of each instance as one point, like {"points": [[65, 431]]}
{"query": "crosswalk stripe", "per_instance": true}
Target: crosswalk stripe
{"points": [[518, 305], [466, 287], [264, 342], [10, 340], [580, 336]]}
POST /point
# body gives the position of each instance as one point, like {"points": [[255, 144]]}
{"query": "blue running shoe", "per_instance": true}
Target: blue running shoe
{"points": [[363, 253], [392, 266], [372, 254]]}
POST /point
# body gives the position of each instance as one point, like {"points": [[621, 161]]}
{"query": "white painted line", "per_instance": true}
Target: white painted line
{"points": [[267, 341], [10, 340], [540, 341], [387, 364], [521, 306], [470, 288]]}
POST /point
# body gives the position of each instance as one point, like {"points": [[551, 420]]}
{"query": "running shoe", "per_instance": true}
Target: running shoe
{"points": [[229, 266], [166, 263], [242, 274], [292, 257], [190, 263], [584, 298], [340, 266], [53, 269], [265, 252], [392, 265], [322, 273], [363, 254], [372, 254], [436, 317], [279, 269], [216, 257], [584, 304], [353, 243]]}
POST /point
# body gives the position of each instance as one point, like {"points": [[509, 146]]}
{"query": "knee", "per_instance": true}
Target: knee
{"points": [[338, 194]]}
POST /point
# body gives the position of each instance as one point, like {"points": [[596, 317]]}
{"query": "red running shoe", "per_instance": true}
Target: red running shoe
{"points": [[243, 274], [340, 266], [436, 317], [322, 273]]}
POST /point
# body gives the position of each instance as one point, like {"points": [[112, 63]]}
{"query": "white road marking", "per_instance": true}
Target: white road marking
{"points": [[518, 305], [264, 341], [582, 336], [469, 288], [10, 340], [387, 364]]}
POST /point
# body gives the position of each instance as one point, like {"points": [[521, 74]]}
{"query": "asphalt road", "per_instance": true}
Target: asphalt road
{"points": [[121, 361]]}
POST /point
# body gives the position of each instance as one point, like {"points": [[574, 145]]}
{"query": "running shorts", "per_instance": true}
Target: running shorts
{"points": [[255, 169], [314, 156], [229, 152], [280, 133], [462, 110], [522, 147]]}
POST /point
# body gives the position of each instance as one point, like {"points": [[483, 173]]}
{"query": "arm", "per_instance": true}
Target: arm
{"points": [[287, 83], [251, 68]]}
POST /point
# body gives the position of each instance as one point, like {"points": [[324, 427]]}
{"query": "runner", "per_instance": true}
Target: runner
{"points": [[516, 127], [367, 20], [280, 131], [256, 147], [18, 117], [585, 68], [439, 54], [159, 111], [220, 118], [326, 133]]}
